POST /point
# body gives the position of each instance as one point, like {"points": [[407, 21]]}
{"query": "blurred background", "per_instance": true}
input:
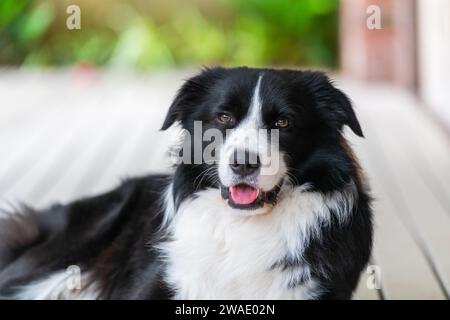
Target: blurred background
{"points": [[143, 34], [80, 108]]}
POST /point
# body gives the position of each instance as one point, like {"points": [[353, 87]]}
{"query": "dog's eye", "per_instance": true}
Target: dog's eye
{"points": [[225, 119], [282, 123]]}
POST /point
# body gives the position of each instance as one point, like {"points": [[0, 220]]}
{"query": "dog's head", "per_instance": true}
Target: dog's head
{"points": [[251, 131]]}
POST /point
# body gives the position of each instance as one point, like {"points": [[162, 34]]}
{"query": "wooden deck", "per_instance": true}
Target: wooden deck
{"points": [[68, 134]]}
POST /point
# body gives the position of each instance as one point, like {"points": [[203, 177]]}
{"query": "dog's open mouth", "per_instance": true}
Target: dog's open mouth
{"points": [[247, 197], [243, 194]]}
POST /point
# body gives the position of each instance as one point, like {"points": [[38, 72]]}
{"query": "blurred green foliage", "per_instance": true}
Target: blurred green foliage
{"points": [[145, 34]]}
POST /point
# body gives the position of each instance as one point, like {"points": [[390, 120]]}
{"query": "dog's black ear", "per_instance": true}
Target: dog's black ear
{"points": [[342, 113], [190, 95], [332, 104]]}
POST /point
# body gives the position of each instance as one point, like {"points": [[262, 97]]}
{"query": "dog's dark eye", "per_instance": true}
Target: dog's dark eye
{"points": [[282, 123], [225, 119]]}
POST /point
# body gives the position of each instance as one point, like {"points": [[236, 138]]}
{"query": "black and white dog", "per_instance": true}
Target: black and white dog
{"points": [[226, 229]]}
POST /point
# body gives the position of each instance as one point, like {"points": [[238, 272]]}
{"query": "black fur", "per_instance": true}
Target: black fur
{"points": [[113, 234]]}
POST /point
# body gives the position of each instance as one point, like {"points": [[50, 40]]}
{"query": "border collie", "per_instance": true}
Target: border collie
{"points": [[237, 227]]}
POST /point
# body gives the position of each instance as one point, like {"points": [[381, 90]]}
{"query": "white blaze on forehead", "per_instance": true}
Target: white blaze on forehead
{"points": [[254, 117], [245, 135]]}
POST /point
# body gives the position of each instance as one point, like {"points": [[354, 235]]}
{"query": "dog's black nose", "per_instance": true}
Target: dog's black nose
{"points": [[245, 163]]}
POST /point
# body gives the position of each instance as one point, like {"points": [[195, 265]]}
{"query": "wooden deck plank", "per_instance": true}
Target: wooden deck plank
{"points": [[85, 114], [123, 157], [418, 203], [84, 153], [54, 146], [103, 165], [64, 189], [405, 271], [112, 151], [23, 121], [21, 145], [21, 95], [64, 120], [432, 145]]}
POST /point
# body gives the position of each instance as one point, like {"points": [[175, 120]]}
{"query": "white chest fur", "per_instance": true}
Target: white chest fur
{"points": [[215, 253]]}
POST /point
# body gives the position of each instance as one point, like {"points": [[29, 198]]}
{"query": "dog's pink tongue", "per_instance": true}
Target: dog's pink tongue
{"points": [[242, 194]]}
